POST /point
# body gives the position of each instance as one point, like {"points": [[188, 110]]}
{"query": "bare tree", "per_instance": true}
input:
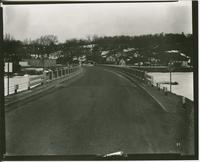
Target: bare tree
{"points": [[46, 44]]}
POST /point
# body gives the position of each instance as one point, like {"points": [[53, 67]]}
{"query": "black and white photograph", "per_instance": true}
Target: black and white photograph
{"points": [[100, 80]]}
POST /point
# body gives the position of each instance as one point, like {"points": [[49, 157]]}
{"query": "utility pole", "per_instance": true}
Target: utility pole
{"points": [[8, 68], [170, 76], [2, 105], [170, 68]]}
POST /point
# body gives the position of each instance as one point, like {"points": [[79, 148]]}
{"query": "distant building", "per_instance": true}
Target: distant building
{"points": [[89, 46], [55, 55], [104, 53], [128, 49], [181, 63], [136, 54], [122, 62], [118, 54], [24, 63], [82, 58], [178, 58], [40, 62], [111, 59]]}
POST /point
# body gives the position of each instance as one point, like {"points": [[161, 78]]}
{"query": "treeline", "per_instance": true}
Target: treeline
{"points": [[92, 47], [148, 43]]}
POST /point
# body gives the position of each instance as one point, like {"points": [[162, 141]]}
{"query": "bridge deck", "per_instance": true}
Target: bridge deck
{"points": [[99, 113]]}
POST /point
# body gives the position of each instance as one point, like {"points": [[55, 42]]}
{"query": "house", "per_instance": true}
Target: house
{"points": [[104, 53], [55, 55], [40, 62], [111, 59], [128, 49], [122, 62], [24, 63], [82, 58], [178, 58]]}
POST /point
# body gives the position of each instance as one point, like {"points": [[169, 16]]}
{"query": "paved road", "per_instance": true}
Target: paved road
{"points": [[101, 112]]}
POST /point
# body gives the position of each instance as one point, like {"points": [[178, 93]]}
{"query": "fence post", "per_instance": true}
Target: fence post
{"points": [[44, 77], [165, 91], [63, 71], [57, 73], [152, 82], [52, 75], [29, 84], [183, 102], [158, 85], [16, 88], [145, 78]]}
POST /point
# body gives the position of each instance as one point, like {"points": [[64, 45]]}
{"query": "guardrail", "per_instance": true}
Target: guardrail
{"points": [[142, 77], [139, 75], [47, 77], [134, 72]]}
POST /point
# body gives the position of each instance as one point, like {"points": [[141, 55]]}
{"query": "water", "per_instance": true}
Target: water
{"points": [[184, 79]]}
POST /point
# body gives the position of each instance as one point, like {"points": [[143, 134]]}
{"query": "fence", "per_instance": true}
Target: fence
{"points": [[30, 82]]}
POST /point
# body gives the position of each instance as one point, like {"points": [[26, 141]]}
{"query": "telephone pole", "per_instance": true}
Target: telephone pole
{"points": [[2, 106]]}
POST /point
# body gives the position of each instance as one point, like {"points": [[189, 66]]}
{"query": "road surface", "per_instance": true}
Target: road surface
{"points": [[100, 113]]}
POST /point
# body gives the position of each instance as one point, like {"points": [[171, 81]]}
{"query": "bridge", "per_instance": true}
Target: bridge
{"points": [[103, 109]]}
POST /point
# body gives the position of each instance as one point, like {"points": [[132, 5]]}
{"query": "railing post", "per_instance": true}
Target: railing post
{"points": [[44, 77], [57, 73], [29, 84], [158, 86], [16, 88], [63, 72], [52, 75], [183, 102]]}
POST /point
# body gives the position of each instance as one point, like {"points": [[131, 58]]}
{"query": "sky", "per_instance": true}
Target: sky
{"points": [[68, 21]]}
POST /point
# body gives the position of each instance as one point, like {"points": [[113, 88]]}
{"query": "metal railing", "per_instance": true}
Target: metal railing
{"points": [[140, 75], [134, 72]]}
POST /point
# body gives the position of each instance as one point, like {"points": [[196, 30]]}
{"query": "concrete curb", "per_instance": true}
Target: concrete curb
{"points": [[141, 87]]}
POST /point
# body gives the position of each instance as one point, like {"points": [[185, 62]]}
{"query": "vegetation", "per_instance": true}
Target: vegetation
{"points": [[146, 46]]}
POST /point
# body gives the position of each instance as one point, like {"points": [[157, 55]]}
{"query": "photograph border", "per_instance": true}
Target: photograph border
{"points": [[5, 157]]}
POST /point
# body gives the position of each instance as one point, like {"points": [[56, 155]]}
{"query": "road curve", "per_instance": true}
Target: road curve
{"points": [[101, 112]]}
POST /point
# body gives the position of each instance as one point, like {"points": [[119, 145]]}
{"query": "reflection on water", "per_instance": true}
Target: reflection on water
{"points": [[184, 79]]}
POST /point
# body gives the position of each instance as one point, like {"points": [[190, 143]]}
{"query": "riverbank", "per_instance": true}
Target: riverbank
{"points": [[164, 69]]}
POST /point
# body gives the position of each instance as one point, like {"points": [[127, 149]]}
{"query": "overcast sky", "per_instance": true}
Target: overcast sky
{"points": [[69, 21]]}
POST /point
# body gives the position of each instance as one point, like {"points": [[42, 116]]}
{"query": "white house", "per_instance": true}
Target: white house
{"points": [[122, 62]]}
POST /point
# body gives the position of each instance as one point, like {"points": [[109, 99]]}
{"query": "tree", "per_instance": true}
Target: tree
{"points": [[46, 44], [13, 50]]}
